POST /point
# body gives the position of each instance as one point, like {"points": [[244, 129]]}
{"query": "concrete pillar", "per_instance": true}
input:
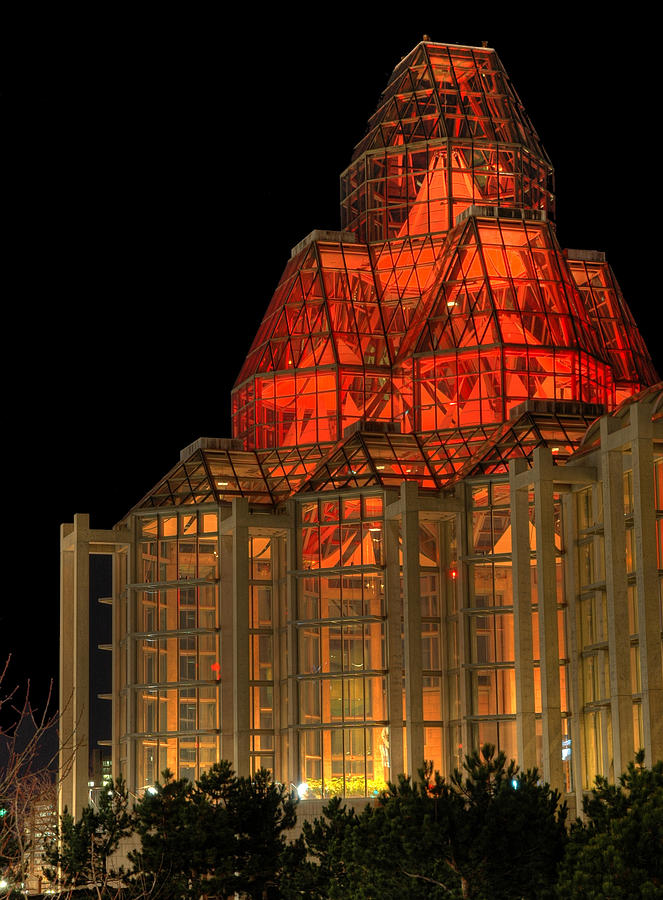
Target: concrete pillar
{"points": [[292, 586], [462, 596], [134, 577], [646, 567], [74, 665], [447, 659], [66, 673], [522, 619], [574, 640], [414, 712], [619, 642], [394, 648], [240, 607], [278, 573], [547, 601], [227, 647], [119, 728]]}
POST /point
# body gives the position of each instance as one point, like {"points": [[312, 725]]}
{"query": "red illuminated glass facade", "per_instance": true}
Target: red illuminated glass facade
{"points": [[446, 301], [426, 533]]}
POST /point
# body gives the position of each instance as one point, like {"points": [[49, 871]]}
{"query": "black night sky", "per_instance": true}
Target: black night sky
{"points": [[160, 171]]}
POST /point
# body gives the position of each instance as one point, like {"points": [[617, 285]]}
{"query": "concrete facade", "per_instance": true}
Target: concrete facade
{"points": [[347, 635]]}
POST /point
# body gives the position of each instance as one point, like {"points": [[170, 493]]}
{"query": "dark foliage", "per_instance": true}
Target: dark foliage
{"points": [[491, 831], [81, 849], [618, 852], [221, 835]]}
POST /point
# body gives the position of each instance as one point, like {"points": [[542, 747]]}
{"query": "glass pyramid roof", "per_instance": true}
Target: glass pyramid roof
{"points": [[444, 305]]}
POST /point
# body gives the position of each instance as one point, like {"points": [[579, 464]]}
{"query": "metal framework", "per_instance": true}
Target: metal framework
{"points": [[440, 519], [446, 301]]}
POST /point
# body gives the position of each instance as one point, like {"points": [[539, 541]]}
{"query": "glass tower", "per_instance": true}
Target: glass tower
{"points": [[438, 522]]}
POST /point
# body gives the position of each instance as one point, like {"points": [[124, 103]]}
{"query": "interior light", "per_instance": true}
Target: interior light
{"points": [[222, 483], [555, 450], [375, 529], [451, 303], [379, 467]]}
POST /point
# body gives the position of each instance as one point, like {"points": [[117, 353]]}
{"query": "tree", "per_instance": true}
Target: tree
{"points": [[221, 835], [172, 858], [79, 851], [28, 754], [321, 864], [507, 829], [261, 812], [618, 851], [490, 831]]}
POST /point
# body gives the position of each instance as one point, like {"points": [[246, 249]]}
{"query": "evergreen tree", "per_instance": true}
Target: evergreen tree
{"points": [[491, 831], [172, 856], [506, 830], [81, 849], [618, 851], [221, 835]]}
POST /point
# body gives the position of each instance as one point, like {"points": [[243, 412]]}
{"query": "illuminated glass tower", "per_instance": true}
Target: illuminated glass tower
{"points": [[438, 521]]}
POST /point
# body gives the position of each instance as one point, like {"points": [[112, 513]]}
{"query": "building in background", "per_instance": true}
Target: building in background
{"points": [[438, 522]]}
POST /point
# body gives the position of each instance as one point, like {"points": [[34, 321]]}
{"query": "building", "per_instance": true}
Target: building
{"points": [[438, 522]]}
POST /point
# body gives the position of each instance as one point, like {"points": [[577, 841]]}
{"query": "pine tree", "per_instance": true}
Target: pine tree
{"points": [[489, 831], [81, 849], [220, 835], [618, 851]]}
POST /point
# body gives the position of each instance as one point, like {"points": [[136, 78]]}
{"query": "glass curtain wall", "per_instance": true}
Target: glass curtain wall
{"points": [[261, 653], [431, 640], [491, 662], [174, 648], [594, 650], [341, 636]]}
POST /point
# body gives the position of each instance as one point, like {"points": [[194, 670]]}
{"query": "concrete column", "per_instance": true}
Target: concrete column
{"points": [[66, 673], [462, 596], [573, 647], [277, 675], [414, 712], [619, 643], [522, 619], [448, 689], [394, 647], [646, 567], [292, 586], [74, 665], [547, 600], [227, 645], [118, 628], [133, 577], [240, 607]]}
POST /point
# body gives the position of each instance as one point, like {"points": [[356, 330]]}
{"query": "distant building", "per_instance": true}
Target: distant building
{"points": [[438, 522], [40, 831]]}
